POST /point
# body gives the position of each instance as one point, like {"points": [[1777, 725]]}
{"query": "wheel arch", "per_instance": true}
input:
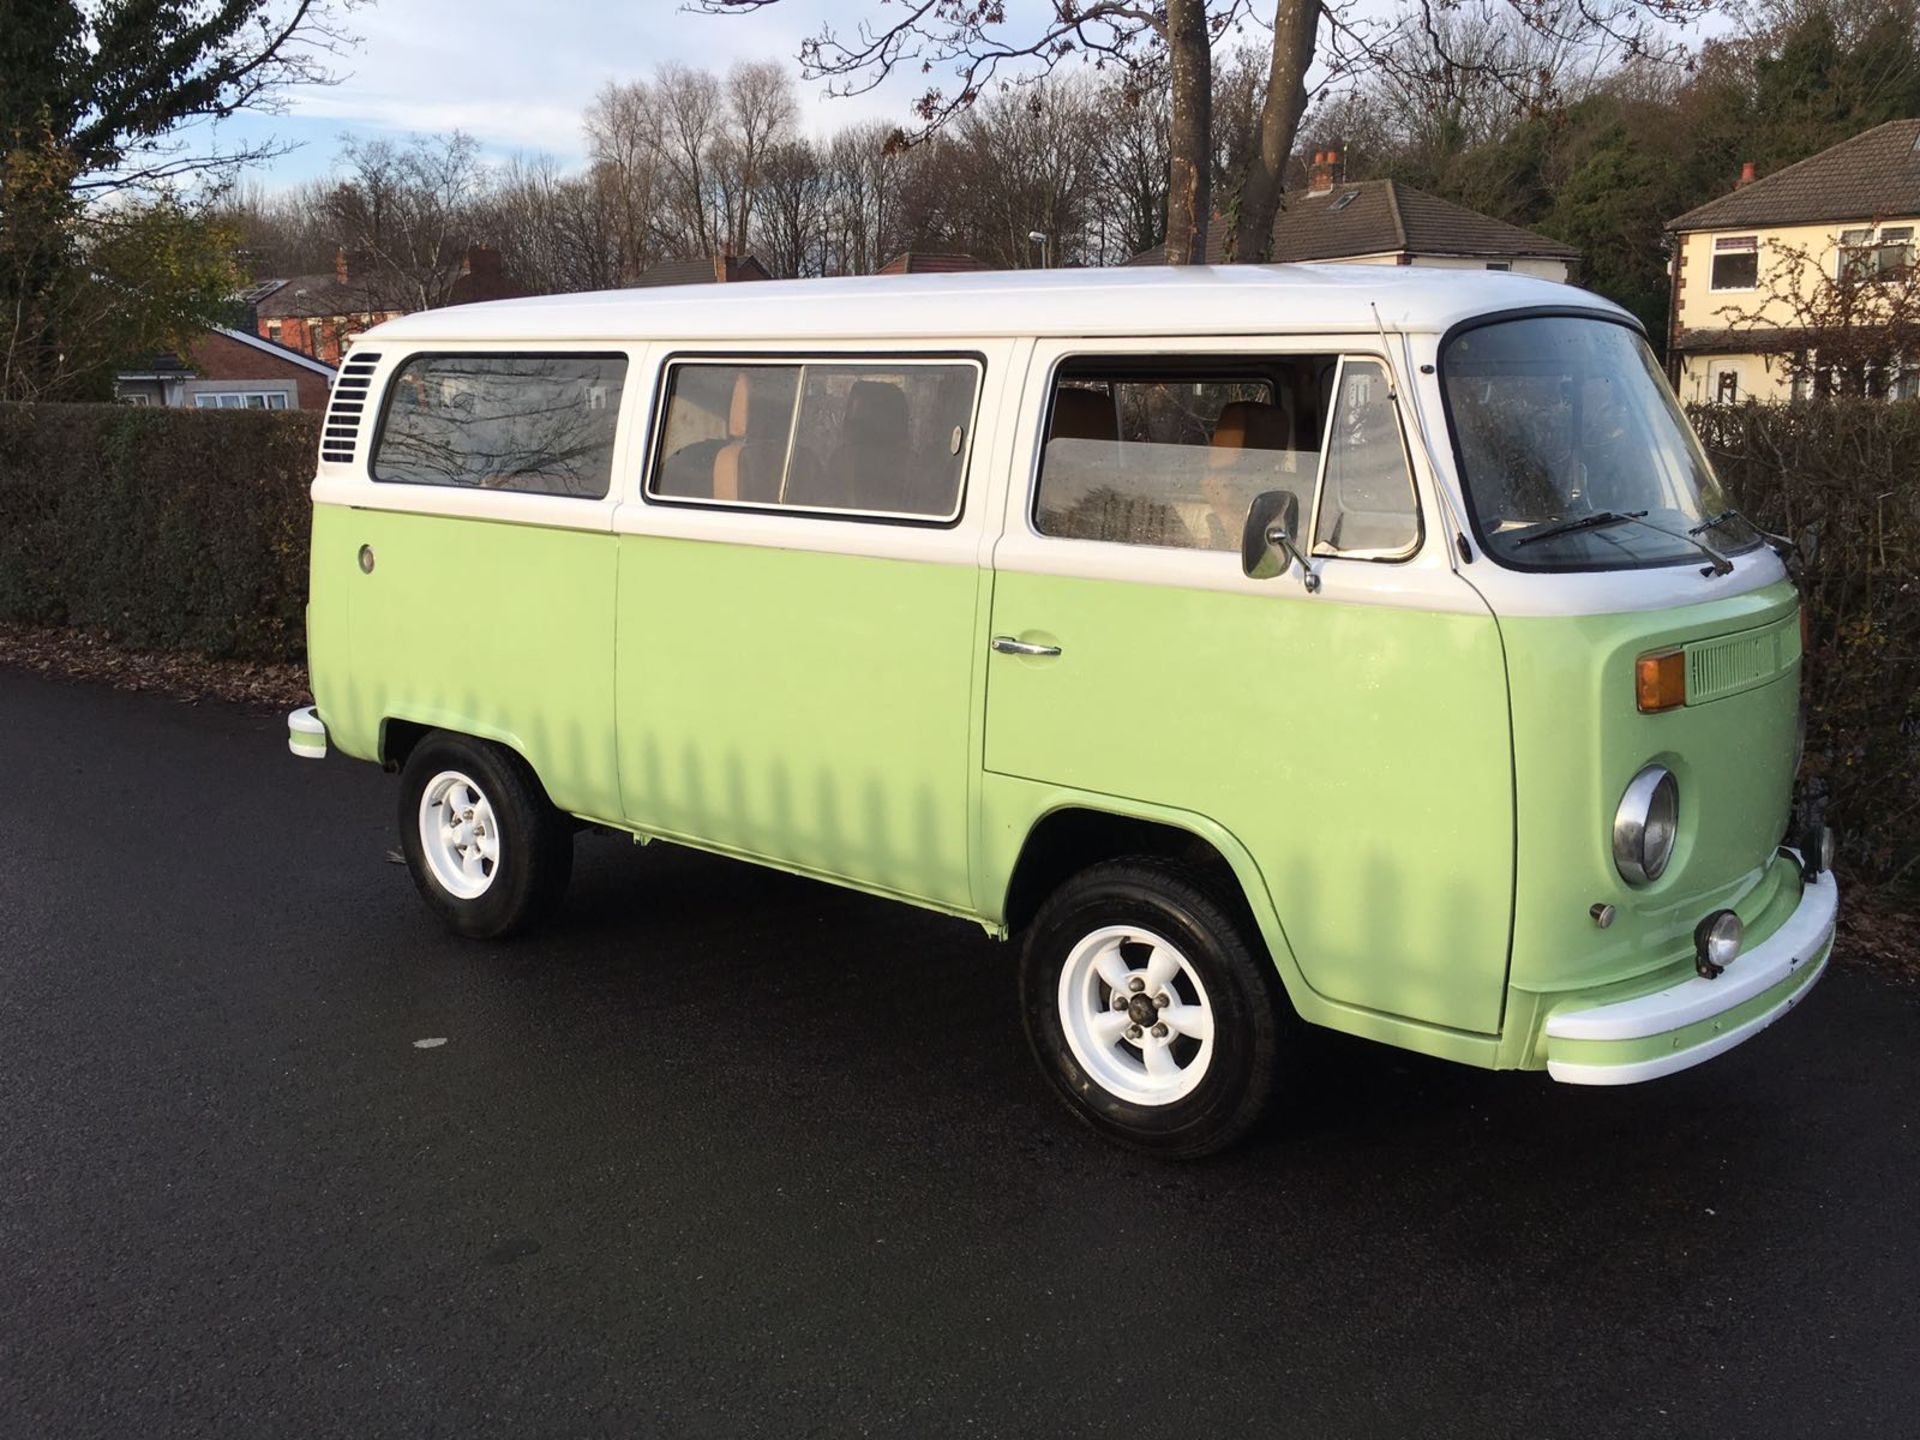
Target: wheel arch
{"points": [[1074, 833]]}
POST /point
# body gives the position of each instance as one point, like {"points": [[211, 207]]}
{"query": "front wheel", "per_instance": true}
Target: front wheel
{"points": [[1152, 1010], [488, 851]]}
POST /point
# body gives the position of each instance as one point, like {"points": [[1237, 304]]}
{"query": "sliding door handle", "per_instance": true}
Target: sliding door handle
{"points": [[1007, 645]]}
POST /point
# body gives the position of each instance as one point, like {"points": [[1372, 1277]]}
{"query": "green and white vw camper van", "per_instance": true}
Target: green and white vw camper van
{"points": [[1371, 648]]}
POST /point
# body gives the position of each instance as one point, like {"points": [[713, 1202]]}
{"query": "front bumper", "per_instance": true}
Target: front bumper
{"points": [[307, 734], [1679, 1027]]}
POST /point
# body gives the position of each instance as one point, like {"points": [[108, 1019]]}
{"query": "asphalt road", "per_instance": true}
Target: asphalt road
{"points": [[728, 1153]]}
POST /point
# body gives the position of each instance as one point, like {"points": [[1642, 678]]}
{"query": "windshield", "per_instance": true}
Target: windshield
{"points": [[1560, 420]]}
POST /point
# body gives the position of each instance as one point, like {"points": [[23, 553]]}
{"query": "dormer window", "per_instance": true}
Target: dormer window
{"points": [[1736, 263]]}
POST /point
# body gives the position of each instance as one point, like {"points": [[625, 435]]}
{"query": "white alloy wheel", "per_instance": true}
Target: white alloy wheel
{"points": [[459, 837], [1136, 1016]]}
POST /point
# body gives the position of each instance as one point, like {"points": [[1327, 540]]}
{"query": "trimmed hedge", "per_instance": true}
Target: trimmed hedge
{"points": [[187, 530], [1842, 479], [168, 529]]}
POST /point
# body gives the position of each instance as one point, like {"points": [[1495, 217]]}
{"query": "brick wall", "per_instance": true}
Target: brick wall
{"points": [[217, 357]]}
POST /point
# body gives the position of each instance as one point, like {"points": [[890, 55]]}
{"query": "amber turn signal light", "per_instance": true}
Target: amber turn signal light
{"points": [[1660, 681]]}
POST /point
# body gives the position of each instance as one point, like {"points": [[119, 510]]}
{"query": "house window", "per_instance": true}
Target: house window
{"points": [[1866, 256], [1728, 389], [1736, 263], [136, 398], [242, 400], [273, 331], [1499, 265]]}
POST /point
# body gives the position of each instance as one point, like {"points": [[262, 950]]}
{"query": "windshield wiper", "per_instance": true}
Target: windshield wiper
{"points": [[1585, 522], [1779, 544], [1721, 565]]}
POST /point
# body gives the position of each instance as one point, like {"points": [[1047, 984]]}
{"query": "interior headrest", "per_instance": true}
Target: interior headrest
{"points": [[1251, 425], [876, 408], [1080, 414]]}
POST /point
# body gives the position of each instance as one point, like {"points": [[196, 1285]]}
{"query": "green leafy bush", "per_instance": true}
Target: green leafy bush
{"points": [[171, 529], [1842, 479]]}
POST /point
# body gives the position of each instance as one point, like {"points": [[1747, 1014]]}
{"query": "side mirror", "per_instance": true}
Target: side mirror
{"points": [[1267, 546]]}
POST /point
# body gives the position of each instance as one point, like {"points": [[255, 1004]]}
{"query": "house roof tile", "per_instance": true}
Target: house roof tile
{"points": [[1873, 175], [1380, 217]]}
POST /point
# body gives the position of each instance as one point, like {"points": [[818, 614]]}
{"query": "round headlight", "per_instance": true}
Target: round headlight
{"points": [[1645, 825], [1716, 942]]}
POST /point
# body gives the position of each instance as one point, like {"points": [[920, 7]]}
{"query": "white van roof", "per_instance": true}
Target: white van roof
{"points": [[1136, 300]]}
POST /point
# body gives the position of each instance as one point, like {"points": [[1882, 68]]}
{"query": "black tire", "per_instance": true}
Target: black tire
{"points": [[1253, 1024], [534, 840]]}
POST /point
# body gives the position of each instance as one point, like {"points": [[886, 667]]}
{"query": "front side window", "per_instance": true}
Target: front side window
{"points": [[869, 438], [1573, 452], [537, 424], [1154, 456], [1139, 453]]}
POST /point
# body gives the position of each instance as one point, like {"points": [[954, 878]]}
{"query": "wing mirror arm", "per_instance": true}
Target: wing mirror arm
{"points": [[1267, 539]]}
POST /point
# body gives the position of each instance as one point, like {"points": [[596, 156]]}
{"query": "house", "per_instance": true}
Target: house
{"points": [[922, 262], [707, 270], [1383, 222], [229, 370], [1745, 265], [319, 315]]}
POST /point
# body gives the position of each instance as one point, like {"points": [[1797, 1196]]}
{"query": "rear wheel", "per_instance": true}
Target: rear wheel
{"points": [[488, 851], [1152, 1009]]}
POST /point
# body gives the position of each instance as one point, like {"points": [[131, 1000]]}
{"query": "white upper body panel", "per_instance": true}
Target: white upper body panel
{"points": [[1142, 300], [1003, 316]]}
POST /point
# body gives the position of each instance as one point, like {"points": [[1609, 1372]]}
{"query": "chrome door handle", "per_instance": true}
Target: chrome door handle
{"points": [[1007, 645]]}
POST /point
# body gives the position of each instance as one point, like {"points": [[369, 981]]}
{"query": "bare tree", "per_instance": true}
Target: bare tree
{"points": [[626, 138], [980, 43], [410, 211], [760, 114], [691, 110], [1847, 328]]}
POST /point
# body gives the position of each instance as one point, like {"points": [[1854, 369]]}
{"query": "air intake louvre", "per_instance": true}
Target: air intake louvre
{"points": [[342, 430], [1731, 664]]}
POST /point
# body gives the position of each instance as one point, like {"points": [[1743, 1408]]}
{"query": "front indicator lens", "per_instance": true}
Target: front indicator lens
{"points": [[1646, 825], [1660, 681]]}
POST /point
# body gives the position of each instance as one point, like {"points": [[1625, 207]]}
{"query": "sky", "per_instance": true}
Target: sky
{"points": [[516, 75]]}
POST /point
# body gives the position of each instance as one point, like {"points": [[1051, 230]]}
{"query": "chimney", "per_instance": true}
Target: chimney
{"points": [[1746, 175], [1320, 174], [342, 270]]}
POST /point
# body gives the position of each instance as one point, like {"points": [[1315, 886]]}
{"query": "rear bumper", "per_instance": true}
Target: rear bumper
{"points": [[1673, 1029], [307, 734]]}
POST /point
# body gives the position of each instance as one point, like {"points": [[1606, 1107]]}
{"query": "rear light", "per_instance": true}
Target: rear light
{"points": [[1660, 681]]}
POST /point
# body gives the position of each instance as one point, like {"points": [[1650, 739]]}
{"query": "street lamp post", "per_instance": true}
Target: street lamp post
{"points": [[1039, 237]]}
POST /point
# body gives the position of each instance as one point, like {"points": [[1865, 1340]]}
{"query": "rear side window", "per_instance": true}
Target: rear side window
{"points": [[1157, 457], [538, 424], [880, 438]]}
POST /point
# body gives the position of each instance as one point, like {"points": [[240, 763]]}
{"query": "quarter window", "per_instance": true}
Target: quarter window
{"points": [[880, 438], [1736, 262], [538, 424], [1367, 506]]}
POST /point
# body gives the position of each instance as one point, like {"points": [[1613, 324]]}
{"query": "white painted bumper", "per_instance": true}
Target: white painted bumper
{"points": [[307, 734], [1803, 941]]}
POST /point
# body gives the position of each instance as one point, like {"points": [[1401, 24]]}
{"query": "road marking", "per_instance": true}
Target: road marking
{"points": [[432, 1042]]}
